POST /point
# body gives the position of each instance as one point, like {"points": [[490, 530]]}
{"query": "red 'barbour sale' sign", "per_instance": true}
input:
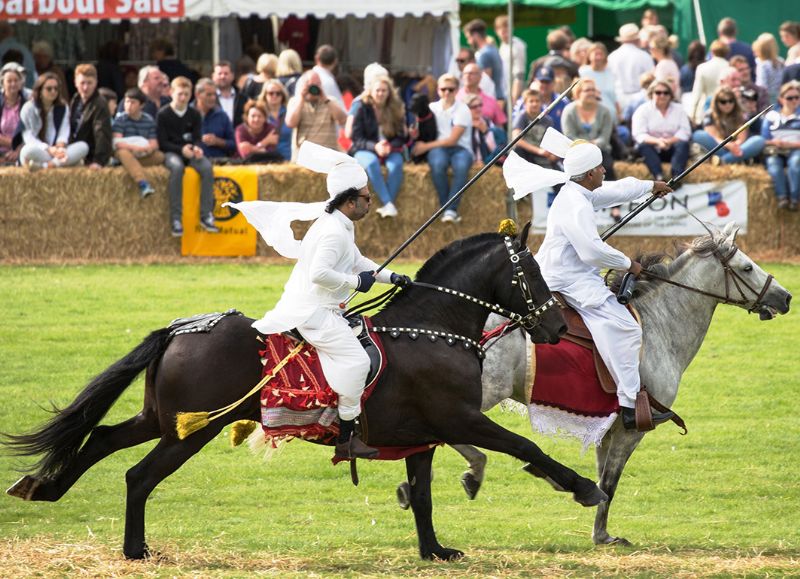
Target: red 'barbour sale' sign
{"points": [[89, 9]]}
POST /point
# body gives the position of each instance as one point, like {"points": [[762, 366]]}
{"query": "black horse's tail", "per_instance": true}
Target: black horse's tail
{"points": [[60, 439]]}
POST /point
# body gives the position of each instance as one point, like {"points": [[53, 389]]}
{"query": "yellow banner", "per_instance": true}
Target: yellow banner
{"points": [[236, 236]]}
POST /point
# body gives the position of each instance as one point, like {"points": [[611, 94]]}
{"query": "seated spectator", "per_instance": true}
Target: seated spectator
{"points": [[695, 55], [597, 70], [275, 98], [45, 120], [528, 147], [451, 147], [790, 37], [135, 141], [153, 83], [661, 131], [313, 115], [371, 72], [544, 81], [769, 66], [585, 119], [748, 100], [266, 67], [706, 79], [230, 98], [11, 101], [111, 100], [666, 68], [90, 120], [470, 86], [379, 136], [290, 68], [162, 51], [179, 130], [257, 139], [218, 141], [483, 143], [743, 81], [723, 119], [781, 130]]}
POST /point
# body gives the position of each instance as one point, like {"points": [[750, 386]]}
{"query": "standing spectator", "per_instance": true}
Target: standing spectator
{"points": [[162, 51], [491, 109], [743, 82], [218, 141], [379, 134], [514, 54], [274, 97], [313, 115], [256, 139], [43, 57], [585, 119], [597, 70], [326, 60], [557, 58], [245, 68], [790, 36], [666, 68], [579, 52], [289, 70], [135, 141], [529, 147], [8, 42], [769, 66], [152, 83], [266, 67], [781, 130], [466, 56], [661, 130], [483, 142], [451, 147], [638, 100], [230, 99], [90, 121], [628, 63], [695, 55], [748, 100], [45, 120], [178, 127], [723, 119], [706, 79], [649, 18], [486, 55], [11, 101], [109, 69], [726, 33]]}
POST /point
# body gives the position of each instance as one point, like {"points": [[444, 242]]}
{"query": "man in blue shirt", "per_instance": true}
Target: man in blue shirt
{"points": [[486, 55], [218, 141]]}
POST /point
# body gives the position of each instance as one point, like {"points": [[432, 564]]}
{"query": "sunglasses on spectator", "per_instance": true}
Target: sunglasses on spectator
{"points": [[461, 60], [476, 106], [662, 93], [726, 101], [50, 88], [274, 93], [791, 98], [447, 89]]}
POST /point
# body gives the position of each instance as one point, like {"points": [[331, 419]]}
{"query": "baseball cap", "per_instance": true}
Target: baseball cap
{"points": [[544, 73]]}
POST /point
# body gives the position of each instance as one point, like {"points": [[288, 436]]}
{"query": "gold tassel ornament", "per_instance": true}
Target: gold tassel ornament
{"points": [[508, 227]]}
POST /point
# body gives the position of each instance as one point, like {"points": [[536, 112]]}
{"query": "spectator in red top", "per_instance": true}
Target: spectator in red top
{"points": [[256, 139], [471, 79]]}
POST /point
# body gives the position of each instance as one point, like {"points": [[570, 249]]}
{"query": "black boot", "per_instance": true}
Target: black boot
{"points": [[629, 418], [349, 446]]}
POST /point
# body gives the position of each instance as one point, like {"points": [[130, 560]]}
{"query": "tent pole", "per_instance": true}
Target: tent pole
{"points": [[215, 40], [510, 71], [590, 21], [701, 31]]}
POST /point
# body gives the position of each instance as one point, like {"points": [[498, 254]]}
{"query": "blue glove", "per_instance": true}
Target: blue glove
{"points": [[365, 281], [401, 280]]}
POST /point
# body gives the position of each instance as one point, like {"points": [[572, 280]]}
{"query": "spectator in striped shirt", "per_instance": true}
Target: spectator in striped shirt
{"points": [[135, 141]]}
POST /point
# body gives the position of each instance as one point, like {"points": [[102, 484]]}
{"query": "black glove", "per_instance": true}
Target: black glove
{"points": [[365, 281], [401, 280]]}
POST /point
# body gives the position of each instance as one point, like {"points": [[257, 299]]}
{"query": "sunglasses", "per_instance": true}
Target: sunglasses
{"points": [[478, 106], [447, 89], [460, 60], [276, 93], [791, 98], [662, 93], [726, 101], [50, 88]]}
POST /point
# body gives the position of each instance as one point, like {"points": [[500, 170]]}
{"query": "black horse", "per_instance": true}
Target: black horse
{"points": [[430, 392]]}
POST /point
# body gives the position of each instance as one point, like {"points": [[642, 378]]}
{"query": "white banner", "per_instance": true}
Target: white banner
{"points": [[716, 203]]}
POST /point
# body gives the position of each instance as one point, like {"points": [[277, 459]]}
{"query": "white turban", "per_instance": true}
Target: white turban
{"points": [[525, 178], [343, 171]]}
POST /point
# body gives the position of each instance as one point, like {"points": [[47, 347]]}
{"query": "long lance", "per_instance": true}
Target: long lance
{"points": [[469, 184], [672, 182]]}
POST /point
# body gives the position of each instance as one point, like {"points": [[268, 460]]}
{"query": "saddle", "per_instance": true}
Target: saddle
{"points": [[579, 334]]}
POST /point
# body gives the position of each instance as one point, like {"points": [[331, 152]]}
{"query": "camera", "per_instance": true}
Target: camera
{"points": [[314, 90]]}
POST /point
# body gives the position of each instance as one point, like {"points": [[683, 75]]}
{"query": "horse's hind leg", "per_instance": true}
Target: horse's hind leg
{"points": [[471, 479], [418, 470], [102, 442], [612, 455], [168, 455]]}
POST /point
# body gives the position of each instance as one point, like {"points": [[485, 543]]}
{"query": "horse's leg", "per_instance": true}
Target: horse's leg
{"points": [[471, 479], [168, 455], [476, 429], [418, 470], [612, 455], [103, 441]]}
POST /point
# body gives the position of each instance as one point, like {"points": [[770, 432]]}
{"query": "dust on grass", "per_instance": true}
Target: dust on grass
{"points": [[50, 557]]}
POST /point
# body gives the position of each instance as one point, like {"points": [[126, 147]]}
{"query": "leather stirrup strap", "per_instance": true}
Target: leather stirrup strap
{"points": [[661, 408], [644, 416], [353, 472]]}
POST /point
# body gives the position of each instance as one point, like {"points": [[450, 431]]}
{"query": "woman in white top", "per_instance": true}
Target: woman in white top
{"points": [[666, 68], [769, 66], [603, 78], [452, 147], [46, 134], [790, 36]]}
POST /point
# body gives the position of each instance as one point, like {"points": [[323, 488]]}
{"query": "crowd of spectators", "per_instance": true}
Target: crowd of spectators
{"points": [[640, 101]]}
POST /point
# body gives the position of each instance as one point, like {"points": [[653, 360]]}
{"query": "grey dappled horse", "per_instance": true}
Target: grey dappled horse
{"points": [[675, 321]]}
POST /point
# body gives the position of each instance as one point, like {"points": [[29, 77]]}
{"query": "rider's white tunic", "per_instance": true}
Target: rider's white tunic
{"points": [[571, 258], [325, 273]]}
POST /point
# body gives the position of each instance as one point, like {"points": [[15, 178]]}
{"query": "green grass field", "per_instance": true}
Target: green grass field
{"points": [[722, 501]]}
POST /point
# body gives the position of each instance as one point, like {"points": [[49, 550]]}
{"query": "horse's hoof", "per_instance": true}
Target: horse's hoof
{"points": [[404, 495], [590, 497], [471, 485], [613, 541], [24, 488], [444, 554], [138, 554]]}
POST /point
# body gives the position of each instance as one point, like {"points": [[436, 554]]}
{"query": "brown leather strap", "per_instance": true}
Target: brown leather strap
{"points": [[661, 408], [644, 416], [353, 471]]}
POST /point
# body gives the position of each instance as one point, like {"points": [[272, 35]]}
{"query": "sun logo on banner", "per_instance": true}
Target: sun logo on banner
{"points": [[226, 190]]}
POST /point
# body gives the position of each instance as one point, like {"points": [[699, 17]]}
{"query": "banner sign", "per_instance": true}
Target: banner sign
{"points": [[236, 237], [716, 203], [90, 9]]}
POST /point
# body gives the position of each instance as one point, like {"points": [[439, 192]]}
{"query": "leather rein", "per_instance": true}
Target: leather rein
{"points": [[730, 276]]}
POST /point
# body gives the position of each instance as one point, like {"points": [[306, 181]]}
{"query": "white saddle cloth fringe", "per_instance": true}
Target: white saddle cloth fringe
{"points": [[555, 422]]}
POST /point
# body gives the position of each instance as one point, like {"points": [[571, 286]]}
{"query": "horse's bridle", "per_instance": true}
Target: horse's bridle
{"points": [[730, 276]]}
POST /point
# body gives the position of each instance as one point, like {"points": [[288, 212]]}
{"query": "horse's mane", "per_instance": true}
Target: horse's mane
{"points": [[664, 264]]}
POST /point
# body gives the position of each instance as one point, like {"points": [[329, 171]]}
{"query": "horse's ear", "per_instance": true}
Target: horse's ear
{"points": [[522, 238], [730, 231]]}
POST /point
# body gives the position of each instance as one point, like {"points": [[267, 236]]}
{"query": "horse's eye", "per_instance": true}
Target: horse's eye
{"points": [[748, 268]]}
